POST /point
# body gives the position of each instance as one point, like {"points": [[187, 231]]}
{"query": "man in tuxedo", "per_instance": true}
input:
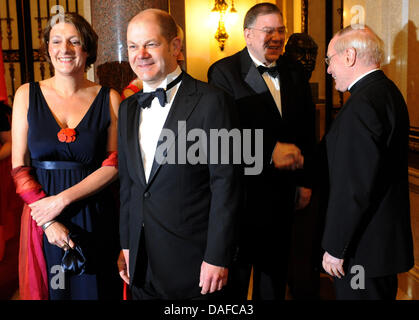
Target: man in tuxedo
{"points": [[272, 94], [367, 237], [176, 218]]}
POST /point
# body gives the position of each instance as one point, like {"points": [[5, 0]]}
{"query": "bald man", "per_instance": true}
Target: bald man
{"points": [[176, 220], [367, 236]]}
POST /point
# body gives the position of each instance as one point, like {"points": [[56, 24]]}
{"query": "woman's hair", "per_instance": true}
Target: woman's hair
{"points": [[368, 45], [88, 36]]}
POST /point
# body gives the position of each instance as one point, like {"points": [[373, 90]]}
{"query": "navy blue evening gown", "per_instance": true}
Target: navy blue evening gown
{"points": [[93, 221]]}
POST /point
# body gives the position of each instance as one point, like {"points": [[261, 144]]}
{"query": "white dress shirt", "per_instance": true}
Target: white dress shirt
{"points": [[273, 83], [152, 120]]}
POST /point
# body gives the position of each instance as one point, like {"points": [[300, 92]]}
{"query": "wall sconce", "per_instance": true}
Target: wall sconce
{"points": [[220, 8]]}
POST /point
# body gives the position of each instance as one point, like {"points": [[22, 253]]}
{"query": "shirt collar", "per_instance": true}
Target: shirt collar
{"points": [[360, 77], [169, 78], [258, 62]]}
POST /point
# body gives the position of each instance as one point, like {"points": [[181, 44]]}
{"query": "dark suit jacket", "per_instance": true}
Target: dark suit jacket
{"points": [[270, 196], [188, 211], [368, 216]]}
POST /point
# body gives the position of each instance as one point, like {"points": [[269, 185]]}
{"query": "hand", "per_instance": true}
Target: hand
{"points": [[303, 198], [333, 266], [46, 209], [212, 278], [287, 156], [123, 263], [57, 234]]}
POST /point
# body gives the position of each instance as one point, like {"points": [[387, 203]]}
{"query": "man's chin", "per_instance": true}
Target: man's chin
{"points": [[271, 57], [146, 76], [341, 89]]}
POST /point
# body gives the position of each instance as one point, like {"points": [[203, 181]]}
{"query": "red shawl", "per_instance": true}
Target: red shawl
{"points": [[33, 280]]}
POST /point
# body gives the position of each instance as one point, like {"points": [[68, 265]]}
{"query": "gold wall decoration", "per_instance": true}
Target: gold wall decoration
{"points": [[221, 9]]}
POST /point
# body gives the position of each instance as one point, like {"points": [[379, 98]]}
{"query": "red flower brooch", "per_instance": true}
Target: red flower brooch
{"points": [[67, 135]]}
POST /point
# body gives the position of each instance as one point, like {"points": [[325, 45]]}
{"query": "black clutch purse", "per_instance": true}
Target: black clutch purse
{"points": [[74, 260]]}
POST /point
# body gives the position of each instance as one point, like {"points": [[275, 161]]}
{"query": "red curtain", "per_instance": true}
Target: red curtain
{"points": [[3, 90]]}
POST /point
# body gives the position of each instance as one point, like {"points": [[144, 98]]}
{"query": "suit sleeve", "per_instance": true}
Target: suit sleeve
{"points": [[353, 169], [218, 79], [224, 184], [124, 180]]}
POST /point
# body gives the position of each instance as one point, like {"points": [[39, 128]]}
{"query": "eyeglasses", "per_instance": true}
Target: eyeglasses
{"points": [[271, 31], [328, 59]]}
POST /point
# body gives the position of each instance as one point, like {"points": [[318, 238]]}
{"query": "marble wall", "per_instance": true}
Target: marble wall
{"points": [[110, 19]]}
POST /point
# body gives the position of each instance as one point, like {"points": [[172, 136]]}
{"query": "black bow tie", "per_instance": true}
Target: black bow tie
{"points": [[144, 98], [273, 71]]}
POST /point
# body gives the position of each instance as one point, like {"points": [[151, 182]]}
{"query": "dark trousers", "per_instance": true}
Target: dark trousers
{"points": [[143, 289], [139, 293], [267, 284], [380, 288]]}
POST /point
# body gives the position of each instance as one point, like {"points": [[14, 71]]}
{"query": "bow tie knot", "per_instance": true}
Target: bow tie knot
{"points": [[145, 98], [273, 71]]}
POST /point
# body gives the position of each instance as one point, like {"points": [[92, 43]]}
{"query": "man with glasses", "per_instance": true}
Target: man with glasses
{"points": [[272, 94], [367, 237]]}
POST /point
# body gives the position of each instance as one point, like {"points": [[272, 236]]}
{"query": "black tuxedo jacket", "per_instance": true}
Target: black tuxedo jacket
{"points": [[187, 210], [368, 216], [270, 196]]}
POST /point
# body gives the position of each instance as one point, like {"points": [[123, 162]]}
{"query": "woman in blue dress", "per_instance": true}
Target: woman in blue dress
{"points": [[64, 158]]}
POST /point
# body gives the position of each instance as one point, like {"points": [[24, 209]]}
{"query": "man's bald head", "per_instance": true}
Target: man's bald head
{"points": [[368, 45], [352, 52]]}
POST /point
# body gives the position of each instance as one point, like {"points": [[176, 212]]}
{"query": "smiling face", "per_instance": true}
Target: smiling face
{"points": [[265, 46], [150, 55], [66, 50], [337, 68]]}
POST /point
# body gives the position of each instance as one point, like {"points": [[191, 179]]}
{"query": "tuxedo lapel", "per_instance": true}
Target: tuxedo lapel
{"points": [[133, 122], [256, 82], [185, 101], [251, 74]]}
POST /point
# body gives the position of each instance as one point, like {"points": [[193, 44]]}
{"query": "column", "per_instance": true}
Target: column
{"points": [[110, 20]]}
